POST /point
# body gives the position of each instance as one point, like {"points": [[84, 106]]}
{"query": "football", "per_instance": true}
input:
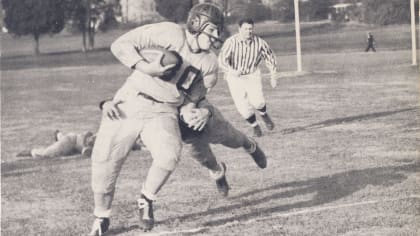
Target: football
{"points": [[169, 57]]}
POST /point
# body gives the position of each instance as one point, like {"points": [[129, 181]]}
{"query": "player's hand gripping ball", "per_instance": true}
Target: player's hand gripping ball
{"points": [[166, 57]]}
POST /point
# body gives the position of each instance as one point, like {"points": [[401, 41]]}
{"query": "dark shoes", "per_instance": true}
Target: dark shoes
{"points": [[257, 154], [146, 220], [221, 183], [145, 212], [268, 122], [100, 226], [257, 131]]}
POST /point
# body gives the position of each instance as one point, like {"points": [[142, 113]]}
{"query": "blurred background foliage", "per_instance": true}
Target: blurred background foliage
{"points": [[37, 17]]}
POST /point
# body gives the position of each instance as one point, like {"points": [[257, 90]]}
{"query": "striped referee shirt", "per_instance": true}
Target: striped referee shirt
{"points": [[245, 55]]}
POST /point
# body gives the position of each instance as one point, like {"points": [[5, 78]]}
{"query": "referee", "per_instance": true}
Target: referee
{"points": [[239, 57]]}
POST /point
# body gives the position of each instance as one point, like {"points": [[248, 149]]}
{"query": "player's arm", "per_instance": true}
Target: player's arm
{"points": [[126, 48], [195, 115], [196, 110], [270, 61], [225, 56], [269, 57], [110, 108]]}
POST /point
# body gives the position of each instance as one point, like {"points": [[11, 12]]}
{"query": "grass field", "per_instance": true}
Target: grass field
{"points": [[344, 158]]}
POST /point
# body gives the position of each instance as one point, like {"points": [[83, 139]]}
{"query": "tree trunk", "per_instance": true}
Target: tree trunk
{"points": [[89, 24], [84, 39], [36, 44], [91, 36]]}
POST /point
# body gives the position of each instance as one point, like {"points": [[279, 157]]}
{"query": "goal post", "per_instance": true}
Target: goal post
{"points": [[297, 29], [413, 34]]}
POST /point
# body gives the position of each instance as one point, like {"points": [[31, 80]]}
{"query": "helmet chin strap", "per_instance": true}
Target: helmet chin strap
{"points": [[196, 48], [192, 42], [198, 42], [195, 42]]}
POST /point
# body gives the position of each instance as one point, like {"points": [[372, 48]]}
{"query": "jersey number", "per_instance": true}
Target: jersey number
{"points": [[190, 76]]}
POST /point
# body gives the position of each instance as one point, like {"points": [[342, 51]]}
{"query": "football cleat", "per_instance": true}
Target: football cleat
{"points": [[145, 212], [100, 226], [56, 132], [257, 131], [268, 122], [221, 183], [257, 154]]}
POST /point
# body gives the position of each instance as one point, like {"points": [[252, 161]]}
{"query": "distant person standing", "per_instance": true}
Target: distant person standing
{"points": [[240, 57], [371, 42]]}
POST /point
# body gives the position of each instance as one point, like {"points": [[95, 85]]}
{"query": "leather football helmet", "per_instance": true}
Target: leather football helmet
{"points": [[201, 15]]}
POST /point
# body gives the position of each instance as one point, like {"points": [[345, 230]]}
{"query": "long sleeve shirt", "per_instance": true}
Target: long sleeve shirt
{"points": [[245, 55], [173, 37]]}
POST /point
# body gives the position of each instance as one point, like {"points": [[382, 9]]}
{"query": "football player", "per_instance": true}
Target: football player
{"points": [[147, 107], [66, 144], [201, 123]]}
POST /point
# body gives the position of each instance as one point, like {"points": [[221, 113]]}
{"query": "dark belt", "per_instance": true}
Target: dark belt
{"points": [[148, 97]]}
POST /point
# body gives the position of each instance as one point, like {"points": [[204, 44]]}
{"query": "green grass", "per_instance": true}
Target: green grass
{"points": [[343, 160]]}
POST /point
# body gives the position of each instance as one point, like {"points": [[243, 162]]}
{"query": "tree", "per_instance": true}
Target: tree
{"points": [[76, 14], [34, 17], [257, 11], [315, 9], [284, 10], [174, 10], [85, 16], [385, 12]]}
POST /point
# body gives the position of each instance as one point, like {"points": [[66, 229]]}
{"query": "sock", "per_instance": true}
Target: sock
{"points": [[217, 174], [252, 120], [263, 110], [148, 195], [253, 146]]}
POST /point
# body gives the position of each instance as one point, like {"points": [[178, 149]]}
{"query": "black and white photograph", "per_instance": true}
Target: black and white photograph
{"points": [[210, 117]]}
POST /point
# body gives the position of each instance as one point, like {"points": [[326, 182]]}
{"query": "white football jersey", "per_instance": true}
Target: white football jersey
{"points": [[188, 79]]}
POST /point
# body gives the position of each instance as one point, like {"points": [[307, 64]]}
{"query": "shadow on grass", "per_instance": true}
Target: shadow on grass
{"points": [[99, 56], [30, 165], [326, 189], [337, 121], [18, 173], [120, 230]]}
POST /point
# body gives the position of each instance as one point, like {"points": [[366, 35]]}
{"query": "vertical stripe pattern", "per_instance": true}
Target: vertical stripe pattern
{"points": [[245, 56]]}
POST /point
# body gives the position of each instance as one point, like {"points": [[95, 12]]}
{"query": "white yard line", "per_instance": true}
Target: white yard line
{"points": [[287, 214]]}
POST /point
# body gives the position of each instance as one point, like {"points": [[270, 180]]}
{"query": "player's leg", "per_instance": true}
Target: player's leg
{"points": [[237, 88], [162, 138], [84, 143], [256, 98], [219, 131], [200, 150], [112, 145], [65, 146]]}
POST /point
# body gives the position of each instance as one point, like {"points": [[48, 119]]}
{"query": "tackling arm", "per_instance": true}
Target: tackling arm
{"points": [[196, 110]]}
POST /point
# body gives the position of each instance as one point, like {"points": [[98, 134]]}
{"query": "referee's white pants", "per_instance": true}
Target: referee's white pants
{"points": [[246, 92]]}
